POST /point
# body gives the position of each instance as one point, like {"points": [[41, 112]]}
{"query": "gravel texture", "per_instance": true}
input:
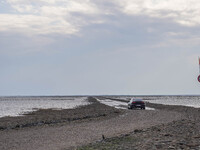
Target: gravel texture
{"points": [[181, 134], [70, 129]]}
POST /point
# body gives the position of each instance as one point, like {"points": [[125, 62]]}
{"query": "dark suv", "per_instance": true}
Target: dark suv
{"points": [[136, 103]]}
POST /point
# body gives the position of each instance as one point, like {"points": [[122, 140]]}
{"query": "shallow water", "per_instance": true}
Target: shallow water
{"points": [[191, 101], [15, 106], [113, 103], [118, 104]]}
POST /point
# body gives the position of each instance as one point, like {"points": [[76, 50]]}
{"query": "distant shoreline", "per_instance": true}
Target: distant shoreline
{"points": [[190, 95]]}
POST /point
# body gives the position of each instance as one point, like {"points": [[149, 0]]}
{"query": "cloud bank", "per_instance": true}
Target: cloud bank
{"points": [[70, 16]]}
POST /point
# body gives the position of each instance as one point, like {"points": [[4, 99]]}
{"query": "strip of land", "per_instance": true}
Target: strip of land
{"points": [[75, 128], [179, 134]]}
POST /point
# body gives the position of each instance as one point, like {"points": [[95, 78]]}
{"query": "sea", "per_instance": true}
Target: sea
{"points": [[20, 105]]}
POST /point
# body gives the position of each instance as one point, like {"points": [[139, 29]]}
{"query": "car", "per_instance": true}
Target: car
{"points": [[136, 103]]}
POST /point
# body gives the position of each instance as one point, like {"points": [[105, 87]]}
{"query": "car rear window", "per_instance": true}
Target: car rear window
{"points": [[138, 100]]}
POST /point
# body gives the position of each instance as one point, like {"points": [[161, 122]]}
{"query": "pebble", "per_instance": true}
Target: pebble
{"points": [[171, 147]]}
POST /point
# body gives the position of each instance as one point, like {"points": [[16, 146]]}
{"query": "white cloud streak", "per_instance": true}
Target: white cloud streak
{"points": [[45, 17], [184, 12], [68, 16], [31, 24]]}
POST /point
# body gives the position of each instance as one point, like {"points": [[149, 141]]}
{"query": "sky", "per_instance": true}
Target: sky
{"points": [[99, 47]]}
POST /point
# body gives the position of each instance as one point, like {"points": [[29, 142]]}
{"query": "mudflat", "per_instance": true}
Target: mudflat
{"points": [[86, 125]]}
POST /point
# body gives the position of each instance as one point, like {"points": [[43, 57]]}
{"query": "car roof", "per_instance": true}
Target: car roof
{"points": [[136, 99]]}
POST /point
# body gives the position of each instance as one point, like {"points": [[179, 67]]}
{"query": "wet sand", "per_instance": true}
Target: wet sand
{"points": [[69, 129]]}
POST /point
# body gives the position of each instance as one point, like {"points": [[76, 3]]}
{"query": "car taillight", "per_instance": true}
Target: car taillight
{"points": [[133, 102]]}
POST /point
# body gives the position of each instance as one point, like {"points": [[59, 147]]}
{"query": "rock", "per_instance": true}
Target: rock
{"points": [[196, 137], [103, 137], [159, 146], [167, 134], [181, 143], [167, 141], [137, 131], [171, 147], [192, 145]]}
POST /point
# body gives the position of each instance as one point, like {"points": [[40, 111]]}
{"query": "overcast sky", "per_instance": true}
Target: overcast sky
{"points": [[78, 47]]}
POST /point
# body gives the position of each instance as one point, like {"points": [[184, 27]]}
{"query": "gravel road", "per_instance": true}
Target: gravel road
{"points": [[70, 134], [181, 134]]}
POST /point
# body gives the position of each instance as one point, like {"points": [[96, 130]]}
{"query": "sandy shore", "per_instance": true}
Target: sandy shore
{"points": [[69, 129]]}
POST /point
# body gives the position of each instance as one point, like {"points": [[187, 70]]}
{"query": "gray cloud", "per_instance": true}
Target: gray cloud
{"points": [[57, 16]]}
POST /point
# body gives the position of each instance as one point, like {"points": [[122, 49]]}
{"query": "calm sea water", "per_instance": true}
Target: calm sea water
{"points": [[15, 106], [191, 101]]}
